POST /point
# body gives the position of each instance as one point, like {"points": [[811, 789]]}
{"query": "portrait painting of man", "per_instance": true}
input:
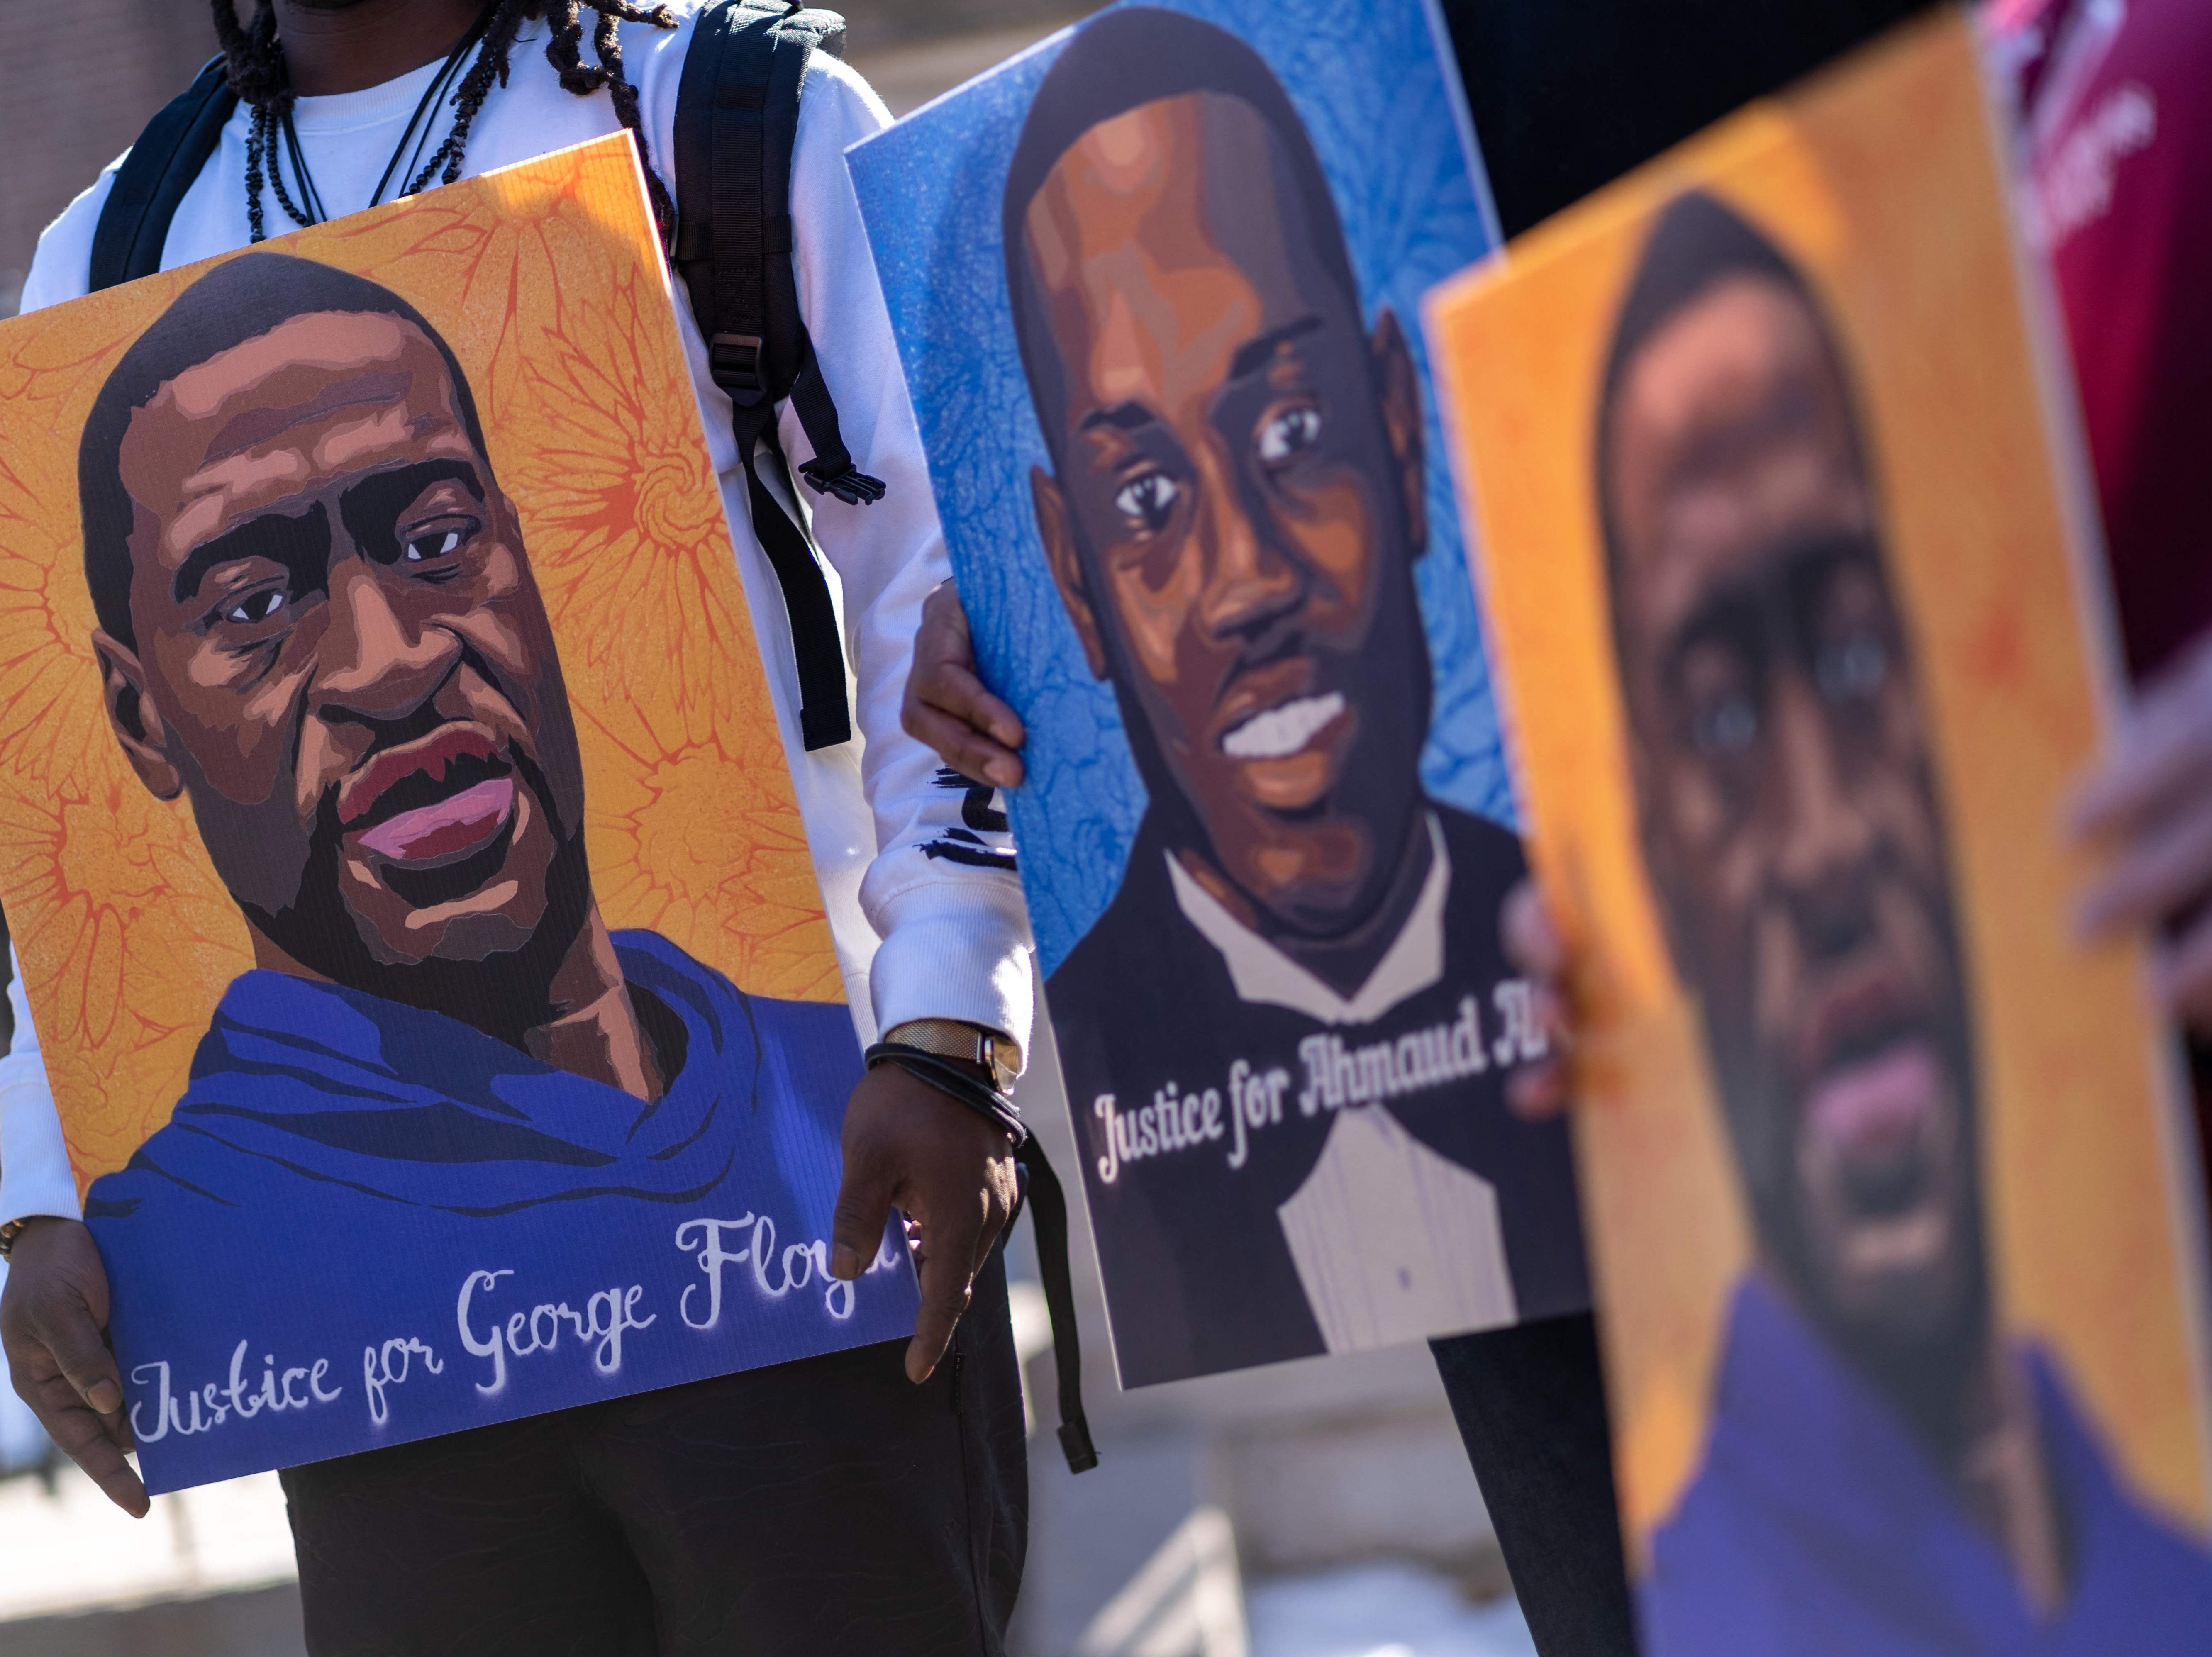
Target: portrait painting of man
{"points": [[1893, 1458], [1793, 827], [455, 1146], [1287, 1028]]}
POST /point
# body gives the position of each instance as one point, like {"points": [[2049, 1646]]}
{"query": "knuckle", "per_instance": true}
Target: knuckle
{"points": [[81, 1369], [91, 1454], [861, 1203], [43, 1312]]}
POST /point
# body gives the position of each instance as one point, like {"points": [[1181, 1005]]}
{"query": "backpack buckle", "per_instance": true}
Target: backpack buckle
{"points": [[733, 361]]}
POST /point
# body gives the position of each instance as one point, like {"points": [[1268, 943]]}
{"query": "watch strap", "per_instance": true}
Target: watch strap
{"points": [[954, 1038]]}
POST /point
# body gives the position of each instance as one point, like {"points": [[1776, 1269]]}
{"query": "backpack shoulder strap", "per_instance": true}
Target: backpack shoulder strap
{"points": [[134, 221], [793, 372], [736, 118]]}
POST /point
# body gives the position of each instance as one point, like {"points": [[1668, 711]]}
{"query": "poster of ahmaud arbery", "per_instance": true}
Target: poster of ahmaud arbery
{"points": [[1154, 284]]}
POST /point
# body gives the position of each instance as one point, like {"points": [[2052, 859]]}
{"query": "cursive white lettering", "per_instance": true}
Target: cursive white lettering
{"points": [[706, 1237], [192, 1410], [492, 1346], [388, 1366], [245, 1404], [608, 1315], [1110, 1163]]}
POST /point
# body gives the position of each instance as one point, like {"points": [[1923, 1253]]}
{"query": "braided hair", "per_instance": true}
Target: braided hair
{"points": [[254, 60]]}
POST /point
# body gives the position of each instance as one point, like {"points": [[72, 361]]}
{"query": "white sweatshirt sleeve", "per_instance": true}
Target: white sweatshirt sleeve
{"points": [[941, 892], [34, 1169]]}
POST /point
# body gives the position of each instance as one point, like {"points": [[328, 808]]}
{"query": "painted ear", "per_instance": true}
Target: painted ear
{"points": [[1401, 385], [132, 716], [1059, 537]]}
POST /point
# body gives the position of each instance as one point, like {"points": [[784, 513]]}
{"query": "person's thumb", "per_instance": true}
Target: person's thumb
{"points": [[864, 1207], [62, 1322]]}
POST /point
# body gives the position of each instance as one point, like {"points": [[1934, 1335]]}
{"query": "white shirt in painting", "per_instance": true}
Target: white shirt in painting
{"points": [[1392, 1241]]}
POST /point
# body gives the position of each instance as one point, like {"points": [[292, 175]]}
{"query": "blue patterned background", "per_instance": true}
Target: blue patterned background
{"points": [[1385, 118]]}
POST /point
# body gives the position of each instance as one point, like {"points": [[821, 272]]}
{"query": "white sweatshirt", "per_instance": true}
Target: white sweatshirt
{"points": [[917, 935]]}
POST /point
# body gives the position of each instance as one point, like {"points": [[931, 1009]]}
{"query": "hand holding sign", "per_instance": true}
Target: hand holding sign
{"points": [[53, 1320]]}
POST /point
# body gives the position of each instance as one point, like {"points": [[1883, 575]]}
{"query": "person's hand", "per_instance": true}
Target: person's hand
{"points": [[2151, 802], [950, 1168], [946, 706], [1540, 1089], [51, 1322]]}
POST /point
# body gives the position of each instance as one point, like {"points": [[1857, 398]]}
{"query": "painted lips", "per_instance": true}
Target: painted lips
{"points": [[1876, 1104], [447, 829], [430, 802], [1281, 731]]}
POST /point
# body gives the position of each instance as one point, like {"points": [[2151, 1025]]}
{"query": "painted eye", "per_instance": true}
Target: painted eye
{"points": [[256, 607], [431, 544], [1289, 433], [1724, 726], [1146, 500], [1853, 668]]}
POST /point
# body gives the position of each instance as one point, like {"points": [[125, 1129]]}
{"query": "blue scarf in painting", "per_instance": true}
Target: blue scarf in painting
{"points": [[1817, 1528], [366, 1223]]}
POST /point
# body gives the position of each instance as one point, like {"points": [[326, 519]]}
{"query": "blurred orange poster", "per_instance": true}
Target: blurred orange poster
{"points": [[1892, 1202], [411, 896]]}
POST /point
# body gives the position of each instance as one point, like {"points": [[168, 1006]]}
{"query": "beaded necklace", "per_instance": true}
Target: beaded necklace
{"points": [[270, 129]]}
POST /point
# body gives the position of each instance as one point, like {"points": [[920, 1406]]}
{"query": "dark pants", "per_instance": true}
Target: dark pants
{"points": [[1530, 1404], [827, 1506]]}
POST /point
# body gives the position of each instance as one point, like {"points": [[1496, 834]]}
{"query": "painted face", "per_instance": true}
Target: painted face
{"points": [[1237, 504], [341, 656], [1789, 814]]}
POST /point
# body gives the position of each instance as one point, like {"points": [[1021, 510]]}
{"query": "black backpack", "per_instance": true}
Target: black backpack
{"points": [[737, 114]]}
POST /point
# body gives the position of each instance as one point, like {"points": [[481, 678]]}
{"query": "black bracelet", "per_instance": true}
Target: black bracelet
{"points": [[947, 1076]]}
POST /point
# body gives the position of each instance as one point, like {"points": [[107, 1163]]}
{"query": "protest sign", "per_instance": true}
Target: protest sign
{"points": [[1154, 286], [1893, 1207], [412, 900]]}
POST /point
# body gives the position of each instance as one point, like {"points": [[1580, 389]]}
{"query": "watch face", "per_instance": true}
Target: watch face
{"points": [[993, 1057]]}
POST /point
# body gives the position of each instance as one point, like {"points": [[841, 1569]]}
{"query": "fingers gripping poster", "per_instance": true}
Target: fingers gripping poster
{"points": [[412, 900], [1893, 1205], [1154, 284]]}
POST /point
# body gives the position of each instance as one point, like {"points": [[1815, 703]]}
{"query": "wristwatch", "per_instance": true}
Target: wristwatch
{"points": [[948, 1038]]}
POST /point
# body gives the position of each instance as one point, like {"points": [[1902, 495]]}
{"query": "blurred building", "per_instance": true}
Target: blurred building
{"points": [[79, 82], [1247, 1516]]}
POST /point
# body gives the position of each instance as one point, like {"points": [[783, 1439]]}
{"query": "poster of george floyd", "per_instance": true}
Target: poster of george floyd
{"points": [[411, 896], [1155, 284], [1894, 1219]]}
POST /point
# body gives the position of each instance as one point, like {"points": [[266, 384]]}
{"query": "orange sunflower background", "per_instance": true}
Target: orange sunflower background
{"points": [[1880, 180], [546, 281]]}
